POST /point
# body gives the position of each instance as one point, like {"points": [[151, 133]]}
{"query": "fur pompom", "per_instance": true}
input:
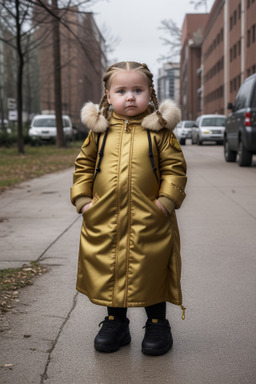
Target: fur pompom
{"points": [[170, 112], [92, 119]]}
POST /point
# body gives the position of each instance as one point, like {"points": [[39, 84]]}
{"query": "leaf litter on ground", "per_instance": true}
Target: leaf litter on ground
{"points": [[13, 279]]}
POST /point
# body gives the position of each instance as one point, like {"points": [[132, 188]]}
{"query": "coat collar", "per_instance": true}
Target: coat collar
{"points": [[149, 120]]}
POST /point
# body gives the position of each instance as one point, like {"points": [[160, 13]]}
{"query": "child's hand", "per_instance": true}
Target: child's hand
{"points": [[160, 206], [85, 207]]}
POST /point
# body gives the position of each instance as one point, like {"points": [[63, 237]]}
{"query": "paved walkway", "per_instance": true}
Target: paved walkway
{"points": [[48, 336]]}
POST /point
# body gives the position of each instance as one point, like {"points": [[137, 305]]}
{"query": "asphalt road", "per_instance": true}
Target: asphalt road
{"points": [[48, 336]]}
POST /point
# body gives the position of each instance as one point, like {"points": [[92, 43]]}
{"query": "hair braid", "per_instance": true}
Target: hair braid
{"points": [[161, 120], [106, 108], [105, 105], [102, 101]]}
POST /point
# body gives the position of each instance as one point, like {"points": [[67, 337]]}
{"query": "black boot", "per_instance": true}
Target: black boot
{"points": [[158, 337], [112, 335]]}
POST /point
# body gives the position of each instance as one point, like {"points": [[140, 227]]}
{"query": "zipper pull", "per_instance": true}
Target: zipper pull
{"points": [[183, 312], [126, 129]]}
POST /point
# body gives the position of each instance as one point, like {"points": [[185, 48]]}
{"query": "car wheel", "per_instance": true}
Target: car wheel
{"points": [[199, 141], [244, 157], [182, 142], [230, 156]]}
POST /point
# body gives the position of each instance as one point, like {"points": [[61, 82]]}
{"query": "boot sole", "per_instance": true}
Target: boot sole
{"points": [[113, 348], [159, 352]]}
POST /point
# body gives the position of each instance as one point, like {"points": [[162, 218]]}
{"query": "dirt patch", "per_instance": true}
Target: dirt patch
{"points": [[13, 279]]}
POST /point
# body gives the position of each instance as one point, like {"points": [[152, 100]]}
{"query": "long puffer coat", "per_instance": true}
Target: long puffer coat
{"points": [[129, 250]]}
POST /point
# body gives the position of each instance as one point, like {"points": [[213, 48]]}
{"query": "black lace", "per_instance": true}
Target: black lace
{"points": [[155, 330], [108, 325]]}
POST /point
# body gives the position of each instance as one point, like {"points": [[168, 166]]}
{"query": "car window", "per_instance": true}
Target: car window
{"points": [[253, 104], [65, 122], [244, 95], [43, 122], [49, 122], [189, 124], [213, 121]]}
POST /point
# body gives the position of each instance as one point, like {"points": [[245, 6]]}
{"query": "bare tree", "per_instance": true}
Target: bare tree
{"points": [[60, 140], [174, 33], [200, 3], [173, 41], [16, 32], [20, 21], [17, 29], [111, 40]]}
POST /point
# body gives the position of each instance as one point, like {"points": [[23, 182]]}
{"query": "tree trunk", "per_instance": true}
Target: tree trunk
{"points": [[60, 139], [19, 80]]}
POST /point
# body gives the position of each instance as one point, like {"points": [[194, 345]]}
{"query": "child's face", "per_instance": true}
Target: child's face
{"points": [[129, 93]]}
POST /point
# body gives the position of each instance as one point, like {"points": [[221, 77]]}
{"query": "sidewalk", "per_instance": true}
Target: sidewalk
{"points": [[33, 216], [48, 336]]}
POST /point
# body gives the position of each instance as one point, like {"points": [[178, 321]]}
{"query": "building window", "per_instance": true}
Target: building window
{"points": [[231, 55], [239, 11], [234, 17], [248, 38], [231, 86], [239, 47], [248, 3], [253, 33], [231, 23], [234, 51], [221, 34], [238, 81]]}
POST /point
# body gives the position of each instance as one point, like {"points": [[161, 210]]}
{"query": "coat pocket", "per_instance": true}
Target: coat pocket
{"points": [[95, 199], [152, 199]]}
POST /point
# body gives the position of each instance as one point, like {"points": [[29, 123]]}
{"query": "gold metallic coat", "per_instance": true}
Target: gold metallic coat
{"points": [[129, 250]]}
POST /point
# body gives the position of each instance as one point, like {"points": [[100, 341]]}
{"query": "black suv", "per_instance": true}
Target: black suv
{"points": [[240, 127]]}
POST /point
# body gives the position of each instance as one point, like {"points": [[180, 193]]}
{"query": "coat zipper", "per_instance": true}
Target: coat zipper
{"points": [[118, 225], [126, 128], [183, 312]]}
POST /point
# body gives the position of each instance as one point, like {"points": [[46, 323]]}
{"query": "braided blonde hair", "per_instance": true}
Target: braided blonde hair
{"points": [[129, 66]]}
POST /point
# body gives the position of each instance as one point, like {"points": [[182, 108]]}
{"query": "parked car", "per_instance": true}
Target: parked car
{"points": [[240, 132], [43, 127], [209, 128], [183, 130]]}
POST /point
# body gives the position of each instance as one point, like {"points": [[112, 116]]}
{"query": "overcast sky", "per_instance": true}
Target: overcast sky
{"points": [[137, 22]]}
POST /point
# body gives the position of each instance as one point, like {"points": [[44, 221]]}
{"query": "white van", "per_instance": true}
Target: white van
{"points": [[43, 127]]}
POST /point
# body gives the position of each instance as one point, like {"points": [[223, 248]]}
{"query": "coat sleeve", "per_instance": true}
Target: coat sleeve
{"points": [[84, 169], [172, 167]]}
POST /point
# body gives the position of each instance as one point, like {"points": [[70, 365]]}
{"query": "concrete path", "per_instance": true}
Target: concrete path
{"points": [[48, 336]]}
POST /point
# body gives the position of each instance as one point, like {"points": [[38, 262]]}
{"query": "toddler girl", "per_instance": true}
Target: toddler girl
{"points": [[129, 178]]}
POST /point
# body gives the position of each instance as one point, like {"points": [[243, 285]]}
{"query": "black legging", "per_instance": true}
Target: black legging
{"points": [[156, 311]]}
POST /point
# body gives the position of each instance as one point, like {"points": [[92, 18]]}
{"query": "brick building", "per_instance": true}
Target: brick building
{"points": [[190, 65], [83, 63], [213, 69]]}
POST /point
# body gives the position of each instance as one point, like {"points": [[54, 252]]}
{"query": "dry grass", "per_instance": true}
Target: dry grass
{"points": [[37, 161]]}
